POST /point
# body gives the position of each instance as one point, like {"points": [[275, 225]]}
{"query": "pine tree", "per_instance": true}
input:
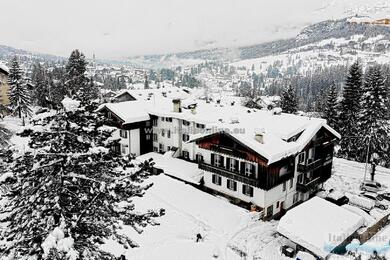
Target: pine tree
{"points": [[57, 87], [146, 84], [19, 95], [330, 109], [41, 86], [289, 102], [374, 117], [76, 79], [349, 111], [72, 191], [5, 134]]}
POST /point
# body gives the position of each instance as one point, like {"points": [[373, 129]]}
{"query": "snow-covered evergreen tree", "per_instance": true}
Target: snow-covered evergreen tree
{"points": [[349, 113], [146, 83], [19, 94], [39, 78], [330, 109], [374, 117], [77, 84], [289, 102], [72, 192], [5, 134]]}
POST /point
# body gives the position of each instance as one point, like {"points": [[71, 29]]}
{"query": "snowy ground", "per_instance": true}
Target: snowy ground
{"points": [[225, 228]]}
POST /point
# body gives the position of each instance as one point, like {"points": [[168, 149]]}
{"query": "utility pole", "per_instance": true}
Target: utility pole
{"points": [[367, 156]]}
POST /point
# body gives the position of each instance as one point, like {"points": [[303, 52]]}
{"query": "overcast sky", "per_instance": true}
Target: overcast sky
{"points": [[118, 28]]}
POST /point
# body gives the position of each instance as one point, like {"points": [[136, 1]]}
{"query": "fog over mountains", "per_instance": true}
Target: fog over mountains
{"points": [[159, 27]]}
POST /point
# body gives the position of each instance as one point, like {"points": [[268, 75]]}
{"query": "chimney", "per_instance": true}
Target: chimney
{"points": [[193, 109], [259, 135], [176, 105]]}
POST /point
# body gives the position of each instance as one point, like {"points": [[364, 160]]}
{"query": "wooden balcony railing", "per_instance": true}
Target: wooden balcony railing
{"points": [[228, 174], [311, 166], [308, 184]]}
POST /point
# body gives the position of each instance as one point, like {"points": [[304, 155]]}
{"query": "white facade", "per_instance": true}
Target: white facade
{"points": [[170, 132]]}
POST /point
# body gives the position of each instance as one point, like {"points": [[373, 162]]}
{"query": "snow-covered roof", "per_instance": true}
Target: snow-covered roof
{"points": [[231, 117], [319, 225], [4, 67], [145, 94], [129, 112]]}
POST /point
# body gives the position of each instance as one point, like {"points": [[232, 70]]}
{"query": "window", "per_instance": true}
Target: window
{"points": [[249, 169], [163, 119], [247, 190], [162, 132], [217, 160], [147, 123], [301, 158], [186, 154], [295, 198], [186, 137], [186, 123], [168, 119], [169, 134], [161, 148], [217, 180], [300, 178], [123, 134], [277, 204], [155, 149], [284, 186], [270, 211], [124, 148], [291, 183], [147, 137], [155, 137], [199, 158], [155, 122], [168, 148], [200, 126], [234, 165], [231, 185]]}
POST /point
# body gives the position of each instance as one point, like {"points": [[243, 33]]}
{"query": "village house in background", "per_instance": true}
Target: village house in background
{"points": [[4, 87], [258, 158]]}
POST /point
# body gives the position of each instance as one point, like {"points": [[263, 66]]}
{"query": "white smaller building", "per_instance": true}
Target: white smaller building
{"points": [[319, 227]]}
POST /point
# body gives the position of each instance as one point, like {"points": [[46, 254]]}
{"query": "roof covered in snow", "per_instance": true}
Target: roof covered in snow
{"points": [[146, 94], [4, 68], [229, 116], [319, 225]]}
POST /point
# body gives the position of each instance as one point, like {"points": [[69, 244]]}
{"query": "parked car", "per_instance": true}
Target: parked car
{"points": [[334, 196], [288, 251], [385, 196], [376, 198], [361, 202], [337, 198], [372, 186]]}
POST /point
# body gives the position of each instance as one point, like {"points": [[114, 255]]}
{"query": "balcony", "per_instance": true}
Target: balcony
{"points": [[311, 166], [228, 151], [229, 174], [309, 184]]}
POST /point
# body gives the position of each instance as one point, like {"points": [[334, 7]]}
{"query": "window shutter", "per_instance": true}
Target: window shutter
{"points": [[227, 163], [236, 165], [221, 158], [252, 169], [251, 191], [235, 185], [242, 167], [212, 159]]}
